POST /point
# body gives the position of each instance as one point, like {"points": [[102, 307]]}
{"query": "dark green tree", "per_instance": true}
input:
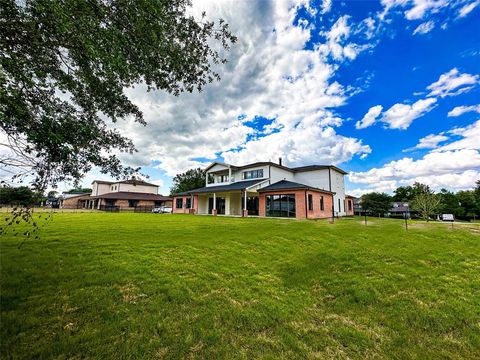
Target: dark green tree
{"points": [[79, 190], [403, 193], [450, 203], [64, 66], [21, 195], [191, 179], [376, 203]]}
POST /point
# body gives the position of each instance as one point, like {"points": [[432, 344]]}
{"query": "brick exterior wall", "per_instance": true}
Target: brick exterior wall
{"points": [[74, 202], [183, 209], [301, 203]]}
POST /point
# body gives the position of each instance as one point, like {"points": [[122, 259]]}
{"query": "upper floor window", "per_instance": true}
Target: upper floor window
{"points": [[210, 178], [252, 174], [222, 178]]}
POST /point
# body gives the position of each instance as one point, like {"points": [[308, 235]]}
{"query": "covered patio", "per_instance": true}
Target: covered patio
{"points": [[237, 199]]}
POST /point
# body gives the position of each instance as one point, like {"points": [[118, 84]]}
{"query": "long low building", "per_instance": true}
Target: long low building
{"points": [[130, 194]]}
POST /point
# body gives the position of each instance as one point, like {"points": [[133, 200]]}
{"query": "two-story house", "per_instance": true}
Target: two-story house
{"points": [[268, 189], [118, 195]]}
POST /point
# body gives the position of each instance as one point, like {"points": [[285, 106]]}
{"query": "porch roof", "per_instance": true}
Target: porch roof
{"points": [[290, 185], [239, 185]]}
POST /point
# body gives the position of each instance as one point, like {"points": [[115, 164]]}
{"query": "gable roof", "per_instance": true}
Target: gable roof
{"points": [[318, 167], [239, 185], [129, 181], [290, 185], [294, 169]]}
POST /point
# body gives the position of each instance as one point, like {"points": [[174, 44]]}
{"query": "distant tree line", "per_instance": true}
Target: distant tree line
{"points": [[25, 196], [425, 202]]}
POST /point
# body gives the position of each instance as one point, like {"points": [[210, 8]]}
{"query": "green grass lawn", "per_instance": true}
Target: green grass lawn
{"points": [[145, 286]]}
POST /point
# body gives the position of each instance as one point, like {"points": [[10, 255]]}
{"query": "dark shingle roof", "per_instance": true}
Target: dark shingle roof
{"points": [[317, 167], [289, 185], [126, 195], [239, 185]]}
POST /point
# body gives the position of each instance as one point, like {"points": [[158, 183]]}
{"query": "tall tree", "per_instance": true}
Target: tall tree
{"points": [[376, 203], [64, 66], [450, 203], [426, 203], [191, 179]]}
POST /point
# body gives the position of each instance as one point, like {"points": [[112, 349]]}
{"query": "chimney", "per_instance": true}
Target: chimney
{"points": [[280, 161]]}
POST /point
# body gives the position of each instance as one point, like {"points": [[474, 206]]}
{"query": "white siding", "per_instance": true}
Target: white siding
{"points": [[320, 180], [238, 174], [278, 174], [100, 189], [136, 188]]}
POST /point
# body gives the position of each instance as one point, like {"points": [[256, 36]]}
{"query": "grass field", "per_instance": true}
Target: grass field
{"points": [[141, 286]]}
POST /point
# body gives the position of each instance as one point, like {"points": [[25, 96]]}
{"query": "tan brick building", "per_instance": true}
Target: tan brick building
{"points": [[130, 194]]}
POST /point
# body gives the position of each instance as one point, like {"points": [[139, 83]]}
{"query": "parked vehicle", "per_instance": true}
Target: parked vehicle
{"points": [[448, 217], [162, 210]]}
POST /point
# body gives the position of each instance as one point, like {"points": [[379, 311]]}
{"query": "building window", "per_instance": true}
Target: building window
{"points": [[252, 174], [321, 203], [339, 205], [349, 205], [188, 203], [280, 205], [310, 202], [210, 179], [132, 203], [179, 203], [222, 178]]}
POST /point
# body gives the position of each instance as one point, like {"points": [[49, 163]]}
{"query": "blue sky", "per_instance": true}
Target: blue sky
{"points": [[302, 79]]}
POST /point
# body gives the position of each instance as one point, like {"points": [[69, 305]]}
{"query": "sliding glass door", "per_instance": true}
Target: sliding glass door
{"points": [[280, 205]]}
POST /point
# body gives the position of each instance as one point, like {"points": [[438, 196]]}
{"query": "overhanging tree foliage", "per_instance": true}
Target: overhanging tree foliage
{"points": [[64, 66], [191, 179]]}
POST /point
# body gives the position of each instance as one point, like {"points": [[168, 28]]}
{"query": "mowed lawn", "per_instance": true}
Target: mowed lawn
{"points": [[146, 286]]}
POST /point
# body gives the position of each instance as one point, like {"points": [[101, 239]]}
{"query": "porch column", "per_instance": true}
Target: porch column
{"points": [[245, 211], [229, 174], [98, 204], [214, 210], [192, 207]]}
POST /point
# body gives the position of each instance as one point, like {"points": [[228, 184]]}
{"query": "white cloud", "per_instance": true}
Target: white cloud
{"points": [[470, 138], [269, 74], [440, 169], [467, 9], [453, 83], [326, 6], [429, 142], [424, 28], [422, 7], [370, 117], [460, 110], [400, 116]]}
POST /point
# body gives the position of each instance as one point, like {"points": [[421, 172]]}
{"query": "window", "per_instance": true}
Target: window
{"points": [[210, 179], [222, 178], [252, 174], [310, 202], [179, 203], [349, 205], [132, 203], [280, 205], [321, 203], [339, 206], [188, 203]]}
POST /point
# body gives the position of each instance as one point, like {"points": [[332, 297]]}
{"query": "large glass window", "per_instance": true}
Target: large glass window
{"points": [[210, 178], [252, 174], [188, 203], [280, 205], [179, 203], [132, 203]]}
